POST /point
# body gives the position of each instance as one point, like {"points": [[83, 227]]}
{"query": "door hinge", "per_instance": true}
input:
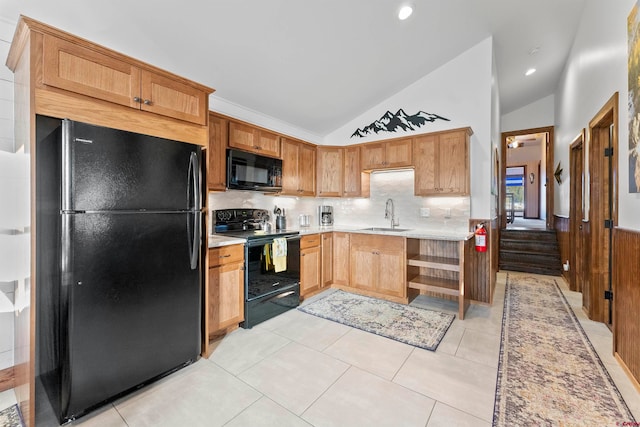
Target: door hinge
{"points": [[608, 152], [608, 295], [608, 223]]}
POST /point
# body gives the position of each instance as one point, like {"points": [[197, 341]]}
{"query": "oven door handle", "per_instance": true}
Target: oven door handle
{"points": [[278, 296]]}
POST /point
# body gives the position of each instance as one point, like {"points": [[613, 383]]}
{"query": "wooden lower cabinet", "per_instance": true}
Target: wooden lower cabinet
{"points": [[341, 270], [378, 265], [310, 265], [327, 260], [226, 288]]}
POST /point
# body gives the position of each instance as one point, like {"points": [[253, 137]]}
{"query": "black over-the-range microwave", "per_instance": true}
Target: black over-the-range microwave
{"points": [[248, 171]]}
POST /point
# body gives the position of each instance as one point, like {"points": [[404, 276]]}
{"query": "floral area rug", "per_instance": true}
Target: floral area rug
{"points": [[549, 373], [411, 325], [10, 417]]}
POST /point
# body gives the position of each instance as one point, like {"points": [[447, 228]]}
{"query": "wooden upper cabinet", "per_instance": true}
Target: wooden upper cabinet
{"points": [[386, 155], [398, 153], [442, 163], [246, 137], [356, 182], [162, 95], [217, 170], [298, 168], [79, 69], [330, 171]]}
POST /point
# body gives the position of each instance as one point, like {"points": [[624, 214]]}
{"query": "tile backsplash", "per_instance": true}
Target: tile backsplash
{"points": [[444, 212]]}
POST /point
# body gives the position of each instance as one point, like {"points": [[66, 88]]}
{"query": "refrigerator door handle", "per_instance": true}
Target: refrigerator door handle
{"points": [[194, 177], [195, 244]]}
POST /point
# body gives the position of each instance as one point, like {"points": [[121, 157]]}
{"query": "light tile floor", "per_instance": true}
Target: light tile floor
{"points": [[300, 370]]}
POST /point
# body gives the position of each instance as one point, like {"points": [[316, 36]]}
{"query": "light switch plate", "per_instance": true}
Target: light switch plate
{"points": [[425, 212]]}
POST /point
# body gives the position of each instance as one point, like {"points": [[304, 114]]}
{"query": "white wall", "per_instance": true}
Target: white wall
{"points": [[496, 146], [12, 168], [535, 115], [595, 70], [228, 108], [460, 90]]}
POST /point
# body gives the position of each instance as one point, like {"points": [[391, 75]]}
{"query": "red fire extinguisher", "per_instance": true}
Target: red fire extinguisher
{"points": [[481, 238]]}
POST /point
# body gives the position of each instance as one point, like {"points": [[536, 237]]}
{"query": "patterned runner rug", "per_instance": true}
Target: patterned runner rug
{"points": [[10, 417], [411, 325], [549, 373]]}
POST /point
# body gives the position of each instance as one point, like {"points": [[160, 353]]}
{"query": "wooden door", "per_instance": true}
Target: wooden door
{"points": [[426, 166], [341, 258], [226, 296], [217, 170], [576, 213], [268, 143], [290, 153], [391, 267], [172, 98], [356, 182], [307, 170], [330, 170], [80, 70], [398, 153], [453, 164], [310, 272], [327, 259], [242, 136], [372, 155], [603, 203]]}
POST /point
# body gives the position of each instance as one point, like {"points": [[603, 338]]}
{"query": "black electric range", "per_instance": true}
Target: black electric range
{"points": [[246, 223], [269, 290]]}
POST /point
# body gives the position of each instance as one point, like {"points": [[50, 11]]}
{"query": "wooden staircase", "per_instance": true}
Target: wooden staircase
{"points": [[530, 251]]}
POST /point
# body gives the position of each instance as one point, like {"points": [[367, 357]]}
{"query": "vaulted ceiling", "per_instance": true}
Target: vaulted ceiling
{"points": [[317, 65]]}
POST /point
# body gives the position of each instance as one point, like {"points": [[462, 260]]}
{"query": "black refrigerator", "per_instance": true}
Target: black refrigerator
{"points": [[118, 268]]}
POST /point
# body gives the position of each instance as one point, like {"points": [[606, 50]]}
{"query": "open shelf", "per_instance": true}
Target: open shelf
{"points": [[435, 284], [437, 262], [436, 268]]}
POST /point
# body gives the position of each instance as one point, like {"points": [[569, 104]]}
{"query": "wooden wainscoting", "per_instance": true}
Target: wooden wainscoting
{"points": [[626, 293], [481, 267], [561, 224]]}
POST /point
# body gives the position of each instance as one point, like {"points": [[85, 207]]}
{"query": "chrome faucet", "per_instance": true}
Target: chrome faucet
{"points": [[389, 212]]}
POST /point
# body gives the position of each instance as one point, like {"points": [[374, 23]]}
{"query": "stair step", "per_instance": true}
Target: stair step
{"points": [[536, 235], [529, 246], [529, 268], [534, 259]]}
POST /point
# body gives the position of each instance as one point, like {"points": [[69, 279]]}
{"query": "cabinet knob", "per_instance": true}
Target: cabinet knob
{"points": [[136, 99], [147, 102]]}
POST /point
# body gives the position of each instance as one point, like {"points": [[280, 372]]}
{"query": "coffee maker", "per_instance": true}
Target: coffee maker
{"points": [[325, 215]]}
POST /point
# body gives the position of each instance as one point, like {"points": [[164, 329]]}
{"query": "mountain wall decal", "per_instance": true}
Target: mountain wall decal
{"points": [[390, 122]]}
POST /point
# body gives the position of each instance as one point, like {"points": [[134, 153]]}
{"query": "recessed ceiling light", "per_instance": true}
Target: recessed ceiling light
{"points": [[530, 71], [405, 12]]}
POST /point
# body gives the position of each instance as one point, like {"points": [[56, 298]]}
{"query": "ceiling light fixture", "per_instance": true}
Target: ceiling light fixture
{"points": [[405, 12], [530, 71]]}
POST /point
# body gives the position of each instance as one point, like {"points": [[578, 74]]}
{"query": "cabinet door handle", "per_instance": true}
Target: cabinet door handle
{"points": [[136, 99], [225, 256], [302, 254], [147, 102]]}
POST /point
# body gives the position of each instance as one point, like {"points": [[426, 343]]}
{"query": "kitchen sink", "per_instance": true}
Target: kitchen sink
{"points": [[385, 229]]}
